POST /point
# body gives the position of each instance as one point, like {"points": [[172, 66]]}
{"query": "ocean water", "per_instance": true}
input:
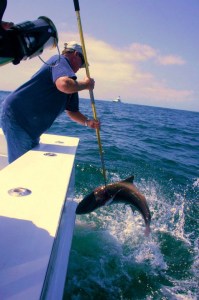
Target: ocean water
{"points": [[110, 256]]}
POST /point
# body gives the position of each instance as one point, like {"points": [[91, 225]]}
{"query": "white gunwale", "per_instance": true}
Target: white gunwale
{"points": [[36, 230]]}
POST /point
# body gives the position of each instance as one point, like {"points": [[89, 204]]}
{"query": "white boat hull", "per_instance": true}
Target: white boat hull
{"points": [[36, 229]]}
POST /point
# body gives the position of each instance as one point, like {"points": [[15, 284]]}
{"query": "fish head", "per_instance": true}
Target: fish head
{"points": [[102, 195], [94, 200], [87, 205]]}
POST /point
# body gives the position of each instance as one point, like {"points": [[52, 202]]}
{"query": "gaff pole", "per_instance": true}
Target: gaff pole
{"points": [[77, 10]]}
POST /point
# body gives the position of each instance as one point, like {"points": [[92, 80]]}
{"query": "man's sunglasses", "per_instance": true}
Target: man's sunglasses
{"points": [[82, 58]]}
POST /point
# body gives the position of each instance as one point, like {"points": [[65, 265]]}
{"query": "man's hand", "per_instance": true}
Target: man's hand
{"points": [[93, 124], [6, 25], [89, 83], [78, 117]]}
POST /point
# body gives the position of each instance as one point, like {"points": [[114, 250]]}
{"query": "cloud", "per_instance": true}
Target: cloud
{"points": [[117, 71], [140, 52], [170, 60]]}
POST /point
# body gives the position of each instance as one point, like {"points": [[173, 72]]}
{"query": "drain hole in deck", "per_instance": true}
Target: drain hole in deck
{"points": [[19, 192], [50, 154]]}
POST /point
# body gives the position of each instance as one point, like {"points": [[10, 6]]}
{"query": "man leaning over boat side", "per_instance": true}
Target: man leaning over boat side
{"points": [[32, 108]]}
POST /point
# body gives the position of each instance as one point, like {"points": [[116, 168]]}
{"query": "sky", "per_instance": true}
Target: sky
{"points": [[145, 51]]}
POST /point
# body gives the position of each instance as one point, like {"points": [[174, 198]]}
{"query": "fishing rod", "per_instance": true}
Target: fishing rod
{"points": [[77, 10]]}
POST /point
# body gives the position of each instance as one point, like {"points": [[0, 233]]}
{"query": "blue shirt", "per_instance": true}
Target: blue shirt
{"points": [[37, 103]]}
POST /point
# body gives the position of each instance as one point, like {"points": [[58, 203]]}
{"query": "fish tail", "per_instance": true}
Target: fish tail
{"points": [[147, 230]]}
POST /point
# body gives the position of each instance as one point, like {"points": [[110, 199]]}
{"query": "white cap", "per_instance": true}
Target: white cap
{"points": [[74, 46]]}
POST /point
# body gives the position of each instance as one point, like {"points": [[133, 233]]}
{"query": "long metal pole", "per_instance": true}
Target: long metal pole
{"points": [[77, 10]]}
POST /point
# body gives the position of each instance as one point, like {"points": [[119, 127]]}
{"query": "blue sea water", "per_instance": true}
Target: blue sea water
{"points": [[110, 256]]}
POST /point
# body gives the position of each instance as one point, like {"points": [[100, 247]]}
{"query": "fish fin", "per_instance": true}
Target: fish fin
{"points": [[114, 197], [129, 179], [132, 208], [109, 201]]}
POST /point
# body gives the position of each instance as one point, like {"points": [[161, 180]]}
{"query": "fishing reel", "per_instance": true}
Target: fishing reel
{"points": [[27, 40]]}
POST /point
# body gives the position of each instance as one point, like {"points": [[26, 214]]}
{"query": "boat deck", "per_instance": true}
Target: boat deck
{"points": [[37, 219]]}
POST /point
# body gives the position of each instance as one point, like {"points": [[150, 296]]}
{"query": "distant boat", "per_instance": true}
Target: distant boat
{"points": [[117, 99]]}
